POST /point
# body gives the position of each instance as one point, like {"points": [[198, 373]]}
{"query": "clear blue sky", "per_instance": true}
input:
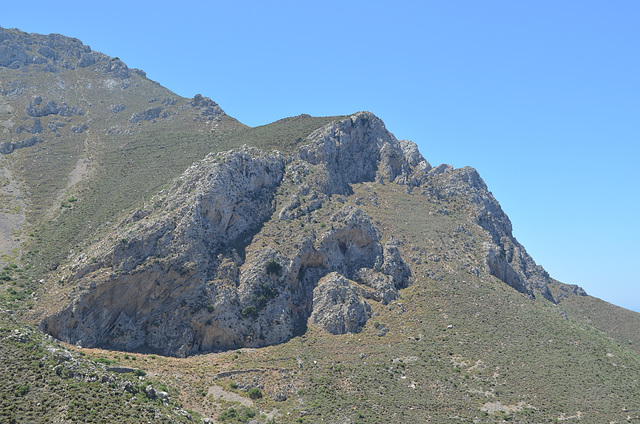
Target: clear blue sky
{"points": [[542, 97]]}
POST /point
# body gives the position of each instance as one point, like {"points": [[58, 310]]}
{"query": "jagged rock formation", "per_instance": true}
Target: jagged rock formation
{"points": [[505, 258], [54, 52], [178, 278], [184, 274]]}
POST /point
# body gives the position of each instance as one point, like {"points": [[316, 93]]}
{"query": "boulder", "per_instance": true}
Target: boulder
{"points": [[337, 307]]}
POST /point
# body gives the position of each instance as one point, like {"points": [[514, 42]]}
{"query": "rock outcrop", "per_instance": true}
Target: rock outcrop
{"points": [[337, 307], [505, 258], [177, 276], [9, 146], [198, 269], [361, 149]]}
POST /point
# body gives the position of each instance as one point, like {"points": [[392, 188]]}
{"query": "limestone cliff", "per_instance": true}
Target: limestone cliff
{"points": [[505, 257], [177, 277], [223, 259]]}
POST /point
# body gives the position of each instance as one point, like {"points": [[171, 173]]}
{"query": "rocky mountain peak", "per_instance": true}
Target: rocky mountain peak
{"points": [[506, 259], [50, 53], [193, 247], [201, 267], [360, 149]]}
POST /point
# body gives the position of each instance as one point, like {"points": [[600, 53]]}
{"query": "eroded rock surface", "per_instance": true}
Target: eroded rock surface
{"points": [[192, 271], [337, 307], [505, 257], [176, 277]]}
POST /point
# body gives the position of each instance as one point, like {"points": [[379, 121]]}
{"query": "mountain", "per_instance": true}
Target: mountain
{"points": [[164, 262]]}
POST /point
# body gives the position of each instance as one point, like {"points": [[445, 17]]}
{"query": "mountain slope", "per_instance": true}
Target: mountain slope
{"points": [[313, 269], [72, 119]]}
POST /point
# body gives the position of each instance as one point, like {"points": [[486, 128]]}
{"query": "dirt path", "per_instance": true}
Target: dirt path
{"points": [[219, 393]]}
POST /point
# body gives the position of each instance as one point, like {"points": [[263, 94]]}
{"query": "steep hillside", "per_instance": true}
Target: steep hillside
{"points": [[310, 270], [72, 120]]}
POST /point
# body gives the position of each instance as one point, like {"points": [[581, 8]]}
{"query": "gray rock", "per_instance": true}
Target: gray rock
{"points": [[151, 114], [164, 396], [135, 118], [216, 214], [12, 54], [54, 125], [208, 108], [8, 147], [65, 110], [337, 308], [78, 129], [13, 89], [394, 266], [39, 60], [117, 108], [52, 51], [150, 392], [35, 128], [116, 68], [86, 59], [359, 149], [147, 115], [48, 52], [441, 169], [36, 110]]}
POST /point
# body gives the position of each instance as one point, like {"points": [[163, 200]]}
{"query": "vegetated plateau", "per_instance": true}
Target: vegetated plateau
{"points": [[163, 262]]}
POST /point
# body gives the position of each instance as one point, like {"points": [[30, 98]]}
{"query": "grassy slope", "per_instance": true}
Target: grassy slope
{"points": [[616, 322], [503, 347]]}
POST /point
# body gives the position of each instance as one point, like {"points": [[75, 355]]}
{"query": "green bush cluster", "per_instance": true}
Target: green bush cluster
{"points": [[273, 267], [255, 393], [240, 415]]}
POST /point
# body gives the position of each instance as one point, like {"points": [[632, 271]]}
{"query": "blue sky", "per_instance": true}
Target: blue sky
{"points": [[543, 98]]}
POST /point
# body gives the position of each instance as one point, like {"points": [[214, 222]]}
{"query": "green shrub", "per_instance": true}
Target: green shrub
{"points": [[22, 390], [255, 393], [104, 360], [273, 267], [249, 311], [263, 294]]}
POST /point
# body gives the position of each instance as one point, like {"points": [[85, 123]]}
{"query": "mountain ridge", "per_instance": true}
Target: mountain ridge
{"points": [[353, 150]]}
